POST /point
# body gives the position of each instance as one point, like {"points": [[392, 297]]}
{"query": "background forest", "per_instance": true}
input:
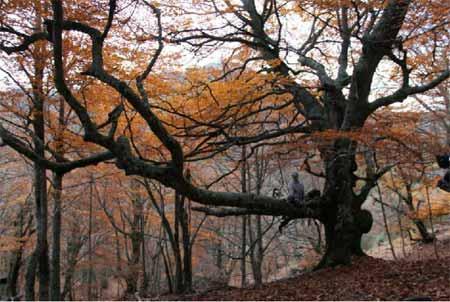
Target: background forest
{"points": [[146, 146]]}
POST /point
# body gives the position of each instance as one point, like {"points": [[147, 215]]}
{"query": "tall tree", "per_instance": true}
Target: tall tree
{"points": [[336, 103]]}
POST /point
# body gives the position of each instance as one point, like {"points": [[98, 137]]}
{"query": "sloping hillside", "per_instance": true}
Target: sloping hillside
{"points": [[368, 279], [423, 274]]}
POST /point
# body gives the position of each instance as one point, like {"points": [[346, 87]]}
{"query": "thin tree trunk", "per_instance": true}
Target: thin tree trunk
{"points": [[55, 277], [118, 257], [252, 242], [145, 279], [74, 245], [90, 269], [219, 258], [258, 245], [40, 180], [400, 225], [30, 277], [24, 222], [244, 219], [383, 211], [55, 283], [13, 275], [244, 251], [133, 264], [187, 245], [430, 216], [173, 237], [255, 251], [187, 251], [42, 243], [168, 274], [259, 252], [179, 286], [421, 227], [187, 255], [318, 246]]}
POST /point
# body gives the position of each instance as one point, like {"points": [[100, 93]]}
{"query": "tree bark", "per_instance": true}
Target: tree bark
{"points": [[40, 178], [55, 276], [42, 243], [256, 249], [30, 277], [388, 233], [136, 245], [55, 283], [13, 275], [90, 250], [145, 274], [179, 286], [74, 245], [168, 274], [23, 224], [133, 265], [344, 220], [258, 245], [244, 219], [424, 234], [187, 252]]}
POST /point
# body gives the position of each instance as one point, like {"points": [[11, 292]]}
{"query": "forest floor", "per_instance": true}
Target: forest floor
{"points": [[423, 273]]}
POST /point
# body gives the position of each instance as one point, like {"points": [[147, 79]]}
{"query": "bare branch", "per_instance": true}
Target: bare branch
{"points": [[401, 94]]}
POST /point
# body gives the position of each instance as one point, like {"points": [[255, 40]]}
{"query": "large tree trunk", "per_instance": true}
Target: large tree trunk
{"points": [[344, 221], [343, 240]]}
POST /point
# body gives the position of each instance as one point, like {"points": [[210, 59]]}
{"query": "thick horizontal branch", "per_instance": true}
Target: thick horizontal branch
{"points": [[225, 212], [26, 42], [10, 140], [401, 94], [310, 209]]}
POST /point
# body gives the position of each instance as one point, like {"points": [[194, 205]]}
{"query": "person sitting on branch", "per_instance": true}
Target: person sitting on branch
{"points": [[296, 190]]}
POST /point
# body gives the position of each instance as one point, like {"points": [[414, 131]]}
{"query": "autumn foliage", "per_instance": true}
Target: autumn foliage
{"points": [[147, 145]]}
